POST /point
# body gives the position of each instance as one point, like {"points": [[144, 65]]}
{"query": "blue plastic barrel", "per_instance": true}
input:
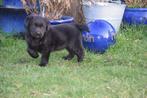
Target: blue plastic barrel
{"points": [[135, 16], [101, 36], [12, 3], [12, 20]]}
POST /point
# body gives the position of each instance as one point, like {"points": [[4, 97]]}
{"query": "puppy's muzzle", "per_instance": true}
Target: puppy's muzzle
{"points": [[37, 34]]}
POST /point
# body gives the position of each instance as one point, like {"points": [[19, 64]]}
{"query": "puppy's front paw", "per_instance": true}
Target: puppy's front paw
{"points": [[33, 54], [42, 64], [80, 60], [67, 58]]}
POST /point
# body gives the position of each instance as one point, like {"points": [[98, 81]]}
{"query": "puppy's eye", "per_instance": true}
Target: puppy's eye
{"points": [[41, 25], [36, 24]]}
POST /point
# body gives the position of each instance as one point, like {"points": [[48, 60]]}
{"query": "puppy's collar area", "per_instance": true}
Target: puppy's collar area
{"points": [[38, 40]]}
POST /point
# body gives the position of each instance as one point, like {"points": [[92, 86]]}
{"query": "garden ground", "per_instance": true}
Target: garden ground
{"points": [[121, 72]]}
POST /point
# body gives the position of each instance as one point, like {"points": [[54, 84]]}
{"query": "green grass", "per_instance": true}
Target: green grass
{"points": [[119, 73], [1, 2]]}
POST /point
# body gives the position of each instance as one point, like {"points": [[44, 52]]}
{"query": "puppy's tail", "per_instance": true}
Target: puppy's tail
{"points": [[83, 27]]}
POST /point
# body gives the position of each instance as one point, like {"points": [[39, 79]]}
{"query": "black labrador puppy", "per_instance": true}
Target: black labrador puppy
{"points": [[43, 38]]}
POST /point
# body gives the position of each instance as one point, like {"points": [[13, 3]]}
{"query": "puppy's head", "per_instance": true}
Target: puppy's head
{"points": [[37, 26]]}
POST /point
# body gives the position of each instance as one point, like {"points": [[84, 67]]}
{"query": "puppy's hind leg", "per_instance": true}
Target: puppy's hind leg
{"points": [[70, 55], [79, 51], [80, 54]]}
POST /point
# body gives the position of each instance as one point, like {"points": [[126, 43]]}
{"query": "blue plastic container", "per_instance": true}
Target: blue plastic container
{"points": [[12, 3], [135, 16], [64, 19], [12, 20], [101, 36]]}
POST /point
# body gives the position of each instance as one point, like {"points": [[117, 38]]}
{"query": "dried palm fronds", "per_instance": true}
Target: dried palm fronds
{"points": [[54, 9], [30, 6], [136, 3]]}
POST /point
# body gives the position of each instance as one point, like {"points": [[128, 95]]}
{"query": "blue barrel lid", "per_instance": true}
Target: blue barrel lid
{"points": [[63, 19]]}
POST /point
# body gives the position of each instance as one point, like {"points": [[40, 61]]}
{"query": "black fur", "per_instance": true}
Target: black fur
{"points": [[43, 38]]}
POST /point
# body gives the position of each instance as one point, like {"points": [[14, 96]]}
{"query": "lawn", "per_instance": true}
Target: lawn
{"points": [[121, 72]]}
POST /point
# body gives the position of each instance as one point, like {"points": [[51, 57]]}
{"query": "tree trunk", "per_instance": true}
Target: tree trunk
{"points": [[76, 11]]}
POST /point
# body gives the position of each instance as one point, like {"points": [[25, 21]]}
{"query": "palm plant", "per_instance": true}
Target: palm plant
{"points": [[53, 9], [136, 3]]}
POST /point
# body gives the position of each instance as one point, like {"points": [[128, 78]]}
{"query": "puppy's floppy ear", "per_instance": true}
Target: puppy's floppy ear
{"points": [[47, 24], [27, 20]]}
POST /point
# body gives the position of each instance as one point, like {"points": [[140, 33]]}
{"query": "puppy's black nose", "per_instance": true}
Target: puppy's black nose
{"points": [[38, 34]]}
